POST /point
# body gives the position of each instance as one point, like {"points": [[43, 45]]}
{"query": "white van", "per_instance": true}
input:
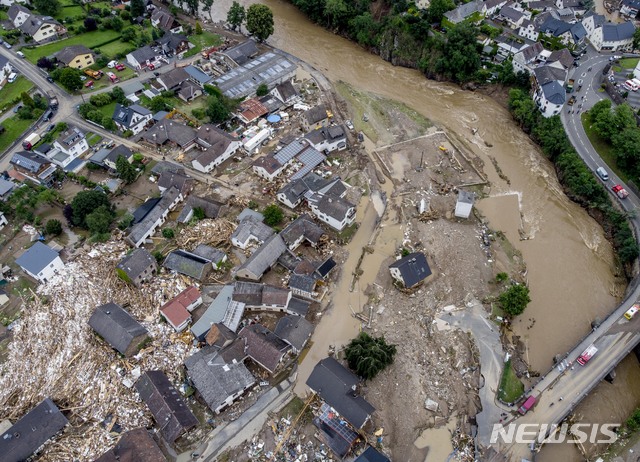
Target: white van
{"points": [[602, 173], [19, 53], [12, 77]]}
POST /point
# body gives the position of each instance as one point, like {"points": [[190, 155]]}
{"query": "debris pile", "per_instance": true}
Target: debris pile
{"points": [[54, 353], [215, 233]]}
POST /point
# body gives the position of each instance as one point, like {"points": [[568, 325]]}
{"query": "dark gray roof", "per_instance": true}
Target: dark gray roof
{"points": [[546, 74], [116, 326], [302, 282], [187, 263], [37, 257], [214, 378], [286, 90], [166, 20], [295, 330], [511, 13], [413, 268], [123, 115], [249, 293], [35, 22], [29, 160], [635, 4], [554, 92], [303, 226], [15, 9], [578, 31], [265, 256], [248, 213], [150, 218], [179, 180], [169, 410], [143, 210], [6, 186], [136, 263], [67, 54], [463, 11], [562, 56], [296, 189], [165, 165], [31, 431], [335, 385], [315, 114], [134, 446], [212, 254], [172, 41], [242, 52], [326, 267], [211, 208], [263, 346], [119, 151], [250, 227], [168, 130], [214, 314], [372, 455], [335, 207], [617, 32], [598, 19], [173, 78], [555, 26], [298, 306], [143, 54]]}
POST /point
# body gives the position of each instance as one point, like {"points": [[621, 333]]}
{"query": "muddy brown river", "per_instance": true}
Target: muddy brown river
{"points": [[570, 264]]}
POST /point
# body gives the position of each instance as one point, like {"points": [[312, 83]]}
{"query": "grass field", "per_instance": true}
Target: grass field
{"points": [[14, 128], [511, 388], [204, 40], [108, 109], [629, 63], [93, 139], [113, 48], [604, 149], [70, 11], [3, 15], [89, 39], [12, 91]]}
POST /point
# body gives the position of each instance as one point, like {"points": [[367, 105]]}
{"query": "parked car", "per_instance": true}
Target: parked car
{"points": [[49, 79], [83, 78], [51, 127], [7, 45], [112, 64], [120, 67], [89, 84], [349, 124], [157, 74]]}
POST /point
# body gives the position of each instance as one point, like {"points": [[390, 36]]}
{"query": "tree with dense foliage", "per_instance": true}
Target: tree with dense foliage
{"points": [[84, 203], [45, 63], [260, 21], [90, 24], [27, 100], [68, 77], [198, 213], [53, 228], [437, 9], [159, 103], [128, 34], [25, 113], [99, 220], [273, 215], [365, 29], [198, 28], [136, 8], [117, 24], [217, 110], [126, 171], [368, 355], [168, 233], [636, 39], [47, 7], [514, 300], [236, 15], [461, 53], [192, 6], [117, 95], [262, 90]]}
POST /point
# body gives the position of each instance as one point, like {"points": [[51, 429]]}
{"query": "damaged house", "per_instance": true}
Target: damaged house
{"points": [[118, 328]]}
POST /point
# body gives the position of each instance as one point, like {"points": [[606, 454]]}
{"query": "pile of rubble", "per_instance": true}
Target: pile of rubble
{"points": [[54, 353], [215, 233]]}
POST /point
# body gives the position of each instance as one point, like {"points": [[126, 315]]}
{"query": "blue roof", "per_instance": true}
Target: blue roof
{"points": [[371, 455], [37, 258], [5, 186], [616, 32], [214, 314], [100, 156], [554, 92], [198, 75], [75, 164]]}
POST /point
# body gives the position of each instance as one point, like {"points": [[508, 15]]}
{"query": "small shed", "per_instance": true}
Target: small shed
{"points": [[464, 204]]}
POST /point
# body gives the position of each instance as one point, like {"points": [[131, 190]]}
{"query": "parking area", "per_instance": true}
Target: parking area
{"points": [[618, 75]]}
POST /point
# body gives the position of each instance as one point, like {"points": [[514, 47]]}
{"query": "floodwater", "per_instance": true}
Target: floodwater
{"points": [[438, 440], [570, 265]]}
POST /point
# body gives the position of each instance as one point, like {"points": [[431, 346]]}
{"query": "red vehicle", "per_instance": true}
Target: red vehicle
{"points": [[151, 66], [120, 67], [620, 191], [527, 405], [587, 355], [89, 84], [114, 78]]}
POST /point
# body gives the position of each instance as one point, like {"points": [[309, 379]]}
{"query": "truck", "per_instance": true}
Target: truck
{"points": [[93, 74], [527, 405], [620, 191], [30, 141], [114, 78], [587, 355], [569, 85], [631, 312], [53, 103]]}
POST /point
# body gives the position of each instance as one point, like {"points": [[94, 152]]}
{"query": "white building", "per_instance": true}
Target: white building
{"points": [[5, 70], [133, 118], [613, 37], [464, 204], [549, 93], [72, 142], [40, 262], [154, 217], [3, 220], [217, 146]]}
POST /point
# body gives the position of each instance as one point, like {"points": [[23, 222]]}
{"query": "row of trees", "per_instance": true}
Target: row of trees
{"points": [[258, 19], [403, 34], [91, 111], [578, 181]]}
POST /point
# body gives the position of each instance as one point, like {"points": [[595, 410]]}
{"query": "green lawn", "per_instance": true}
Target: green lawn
{"points": [[14, 128], [108, 109], [629, 63], [113, 48], [3, 15], [89, 39], [70, 11], [93, 138], [204, 40], [604, 149], [12, 91], [511, 388]]}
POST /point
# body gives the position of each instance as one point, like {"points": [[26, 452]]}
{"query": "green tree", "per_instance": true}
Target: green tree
{"points": [[437, 9], [216, 110], [158, 103], [192, 6], [117, 95], [47, 7], [128, 35], [27, 100], [337, 13], [53, 228], [198, 28], [125, 170], [206, 6], [137, 8], [86, 202], [117, 24], [262, 89], [626, 146], [365, 29], [198, 213], [25, 113], [368, 355], [236, 15], [460, 54], [69, 78], [168, 233], [636, 39], [273, 214], [514, 300], [99, 220], [260, 21]]}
